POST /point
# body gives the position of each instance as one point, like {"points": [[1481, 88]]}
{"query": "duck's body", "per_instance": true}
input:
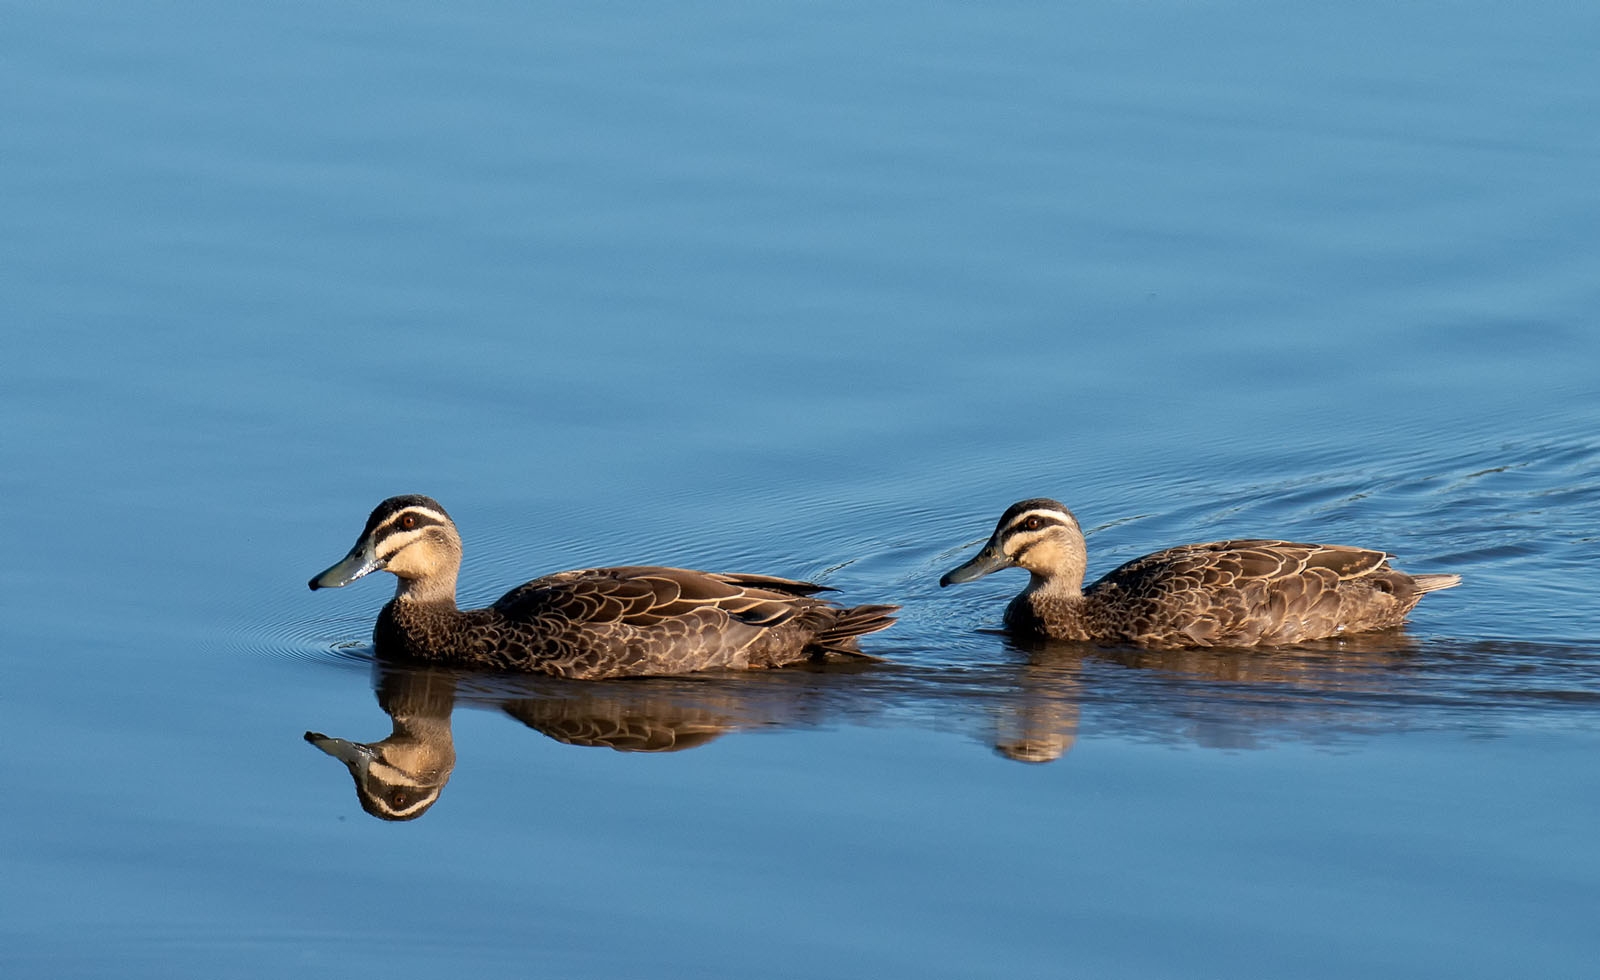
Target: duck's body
{"points": [[1225, 593], [591, 623]]}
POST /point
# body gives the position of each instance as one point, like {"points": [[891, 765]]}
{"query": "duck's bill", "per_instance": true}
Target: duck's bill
{"points": [[990, 559], [360, 561], [353, 754]]}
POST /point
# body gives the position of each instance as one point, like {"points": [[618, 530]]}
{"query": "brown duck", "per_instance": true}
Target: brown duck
{"points": [[1226, 593], [595, 622]]}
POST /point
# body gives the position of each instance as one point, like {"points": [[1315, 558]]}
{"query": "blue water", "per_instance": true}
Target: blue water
{"points": [[811, 290]]}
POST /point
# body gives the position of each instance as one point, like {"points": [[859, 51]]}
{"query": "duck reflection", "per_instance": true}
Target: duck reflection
{"points": [[1038, 721], [1212, 698], [401, 776], [1028, 708]]}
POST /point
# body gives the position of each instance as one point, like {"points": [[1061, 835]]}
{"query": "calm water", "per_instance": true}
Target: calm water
{"points": [[813, 290]]}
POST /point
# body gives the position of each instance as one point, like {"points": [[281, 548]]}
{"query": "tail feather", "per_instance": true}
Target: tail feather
{"points": [[840, 635], [1432, 583]]}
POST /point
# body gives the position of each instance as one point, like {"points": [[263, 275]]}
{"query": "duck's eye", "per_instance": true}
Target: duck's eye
{"points": [[1032, 524], [408, 521]]}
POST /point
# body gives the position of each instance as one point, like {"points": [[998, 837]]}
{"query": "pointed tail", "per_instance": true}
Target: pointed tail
{"points": [[840, 635], [1433, 583]]}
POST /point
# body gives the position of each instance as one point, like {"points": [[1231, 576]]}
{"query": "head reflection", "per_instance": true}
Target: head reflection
{"points": [[401, 776]]}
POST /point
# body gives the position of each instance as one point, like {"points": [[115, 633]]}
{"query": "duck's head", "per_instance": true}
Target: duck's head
{"points": [[398, 778], [1040, 535], [412, 538]]}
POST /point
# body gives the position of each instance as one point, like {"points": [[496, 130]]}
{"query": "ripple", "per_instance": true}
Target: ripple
{"points": [[1516, 520], [337, 641]]}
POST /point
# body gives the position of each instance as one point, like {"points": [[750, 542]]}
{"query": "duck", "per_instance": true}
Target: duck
{"points": [[592, 623], [1240, 593]]}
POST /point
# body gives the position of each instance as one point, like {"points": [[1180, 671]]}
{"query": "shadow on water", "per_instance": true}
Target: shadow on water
{"points": [[1032, 707]]}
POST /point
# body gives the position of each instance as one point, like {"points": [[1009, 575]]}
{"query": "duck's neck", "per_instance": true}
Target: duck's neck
{"points": [[1062, 589], [423, 629], [1055, 565], [438, 589], [1064, 580], [421, 619], [1051, 604]]}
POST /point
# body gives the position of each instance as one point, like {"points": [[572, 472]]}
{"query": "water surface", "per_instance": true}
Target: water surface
{"points": [[812, 290]]}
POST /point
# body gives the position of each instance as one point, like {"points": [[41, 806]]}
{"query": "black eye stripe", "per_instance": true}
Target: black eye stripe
{"points": [[418, 522], [1045, 520]]}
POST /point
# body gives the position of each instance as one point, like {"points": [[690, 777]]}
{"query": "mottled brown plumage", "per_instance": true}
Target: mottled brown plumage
{"points": [[591, 623], [1225, 593]]}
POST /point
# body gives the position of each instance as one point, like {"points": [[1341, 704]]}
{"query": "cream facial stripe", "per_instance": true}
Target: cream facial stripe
{"points": [[1048, 516]]}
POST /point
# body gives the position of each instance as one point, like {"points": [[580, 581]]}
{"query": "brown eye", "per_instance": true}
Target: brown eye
{"points": [[1032, 524], [408, 521]]}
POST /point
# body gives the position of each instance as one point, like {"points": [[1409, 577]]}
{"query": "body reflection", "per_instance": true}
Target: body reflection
{"points": [[1039, 721], [401, 776], [1209, 697], [1032, 706]]}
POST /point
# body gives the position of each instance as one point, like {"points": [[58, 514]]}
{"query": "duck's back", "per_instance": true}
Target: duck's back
{"points": [[1247, 592], [639, 620]]}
